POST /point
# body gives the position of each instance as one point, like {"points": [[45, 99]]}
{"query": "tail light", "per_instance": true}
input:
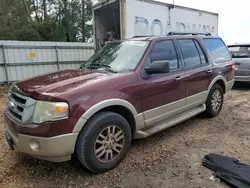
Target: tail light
{"points": [[233, 67]]}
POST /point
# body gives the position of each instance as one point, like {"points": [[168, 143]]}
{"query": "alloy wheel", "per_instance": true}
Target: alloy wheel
{"points": [[109, 144]]}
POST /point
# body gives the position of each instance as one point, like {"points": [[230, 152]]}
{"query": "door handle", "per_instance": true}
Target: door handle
{"points": [[210, 71], [177, 78]]}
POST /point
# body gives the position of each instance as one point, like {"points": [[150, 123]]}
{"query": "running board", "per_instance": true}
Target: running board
{"points": [[170, 122]]}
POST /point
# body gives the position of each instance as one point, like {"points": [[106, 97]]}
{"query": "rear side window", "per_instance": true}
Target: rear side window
{"points": [[165, 50], [190, 52], [217, 50], [201, 53], [240, 51]]}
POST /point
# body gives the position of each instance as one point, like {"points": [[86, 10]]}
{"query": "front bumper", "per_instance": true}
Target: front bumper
{"points": [[242, 78], [56, 149]]}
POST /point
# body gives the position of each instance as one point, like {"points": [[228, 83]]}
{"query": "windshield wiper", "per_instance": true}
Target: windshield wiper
{"points": [[98, 65]]}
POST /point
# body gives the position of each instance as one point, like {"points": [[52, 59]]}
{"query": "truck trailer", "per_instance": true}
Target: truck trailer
{"points": [[128, 18]]}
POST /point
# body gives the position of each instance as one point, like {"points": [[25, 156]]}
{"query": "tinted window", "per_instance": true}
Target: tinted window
{"points": [[190, 53], [217, 50], [202, 56], [164, 50], [240, 51]]}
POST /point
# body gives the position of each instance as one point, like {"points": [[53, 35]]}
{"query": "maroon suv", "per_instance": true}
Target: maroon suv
{"points": [[129, 89]]}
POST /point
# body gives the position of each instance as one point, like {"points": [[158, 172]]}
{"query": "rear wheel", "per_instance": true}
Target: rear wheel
{"points": [[214, 101], [104, 142]]}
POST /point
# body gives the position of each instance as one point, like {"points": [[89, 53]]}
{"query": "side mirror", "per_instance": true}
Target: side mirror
{"points": [[158, 67]]}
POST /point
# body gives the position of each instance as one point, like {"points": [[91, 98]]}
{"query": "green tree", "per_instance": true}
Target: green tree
{"points": [[48, 20], [86, 26], [14, 21]]}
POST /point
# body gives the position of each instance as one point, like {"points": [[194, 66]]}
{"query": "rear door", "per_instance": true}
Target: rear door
{"points": [[198, 71], [241, 57]]}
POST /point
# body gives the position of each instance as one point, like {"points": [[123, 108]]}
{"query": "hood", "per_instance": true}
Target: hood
{"points": [[56, 83]]}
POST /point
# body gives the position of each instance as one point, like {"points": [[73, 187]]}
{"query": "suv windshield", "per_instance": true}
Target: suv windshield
{"points": [[240, 51], [118, 56]]}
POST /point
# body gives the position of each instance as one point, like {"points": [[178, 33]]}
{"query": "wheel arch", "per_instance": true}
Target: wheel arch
{"points": [[120, 106], [218, 80]]}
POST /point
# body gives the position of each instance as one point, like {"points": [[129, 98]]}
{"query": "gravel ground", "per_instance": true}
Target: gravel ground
{"points": [[171, 158]]}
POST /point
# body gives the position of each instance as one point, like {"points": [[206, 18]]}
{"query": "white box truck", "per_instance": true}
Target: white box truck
{"points": [[129, 18]]}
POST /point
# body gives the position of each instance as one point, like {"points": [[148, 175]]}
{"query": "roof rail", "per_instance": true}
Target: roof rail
{"points": [[143, 36], [188, 33]]}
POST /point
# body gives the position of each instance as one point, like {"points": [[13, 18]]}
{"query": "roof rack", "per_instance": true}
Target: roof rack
{"points": [[187, 33], [143, 36]]}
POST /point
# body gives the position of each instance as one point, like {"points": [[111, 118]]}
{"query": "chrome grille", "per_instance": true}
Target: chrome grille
{"points": [[20, 107]]}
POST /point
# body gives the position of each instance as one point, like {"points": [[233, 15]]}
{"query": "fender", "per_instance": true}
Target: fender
{"points": [[99, 106]]}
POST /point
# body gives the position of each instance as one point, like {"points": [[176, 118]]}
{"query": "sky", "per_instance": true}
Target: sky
{"points": [[234, 17]]}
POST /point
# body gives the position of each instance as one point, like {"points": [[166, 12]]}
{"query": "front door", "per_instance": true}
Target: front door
{"points": [[198, 71], [163, 95]]}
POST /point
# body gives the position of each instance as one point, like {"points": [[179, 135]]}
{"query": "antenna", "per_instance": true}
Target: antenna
{"points": [[171, 6]]}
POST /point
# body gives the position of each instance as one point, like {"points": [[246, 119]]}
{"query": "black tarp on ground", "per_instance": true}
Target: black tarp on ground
{"points": [[228, 169]]}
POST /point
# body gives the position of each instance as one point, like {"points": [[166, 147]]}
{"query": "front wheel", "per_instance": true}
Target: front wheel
{"points": [[214, 101], [103, 142]]}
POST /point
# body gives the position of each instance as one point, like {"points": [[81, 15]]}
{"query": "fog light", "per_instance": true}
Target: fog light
{"points": [[34, 145]]}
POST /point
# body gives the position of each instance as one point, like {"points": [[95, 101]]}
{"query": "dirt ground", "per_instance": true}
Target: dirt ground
{"points": [[169, 159]]}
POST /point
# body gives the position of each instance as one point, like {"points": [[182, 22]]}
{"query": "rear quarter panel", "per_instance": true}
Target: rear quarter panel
{"points": [[222, 68]]}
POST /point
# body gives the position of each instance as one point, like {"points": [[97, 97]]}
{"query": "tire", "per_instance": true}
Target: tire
{"points": [[87, 144], [216, 90]]}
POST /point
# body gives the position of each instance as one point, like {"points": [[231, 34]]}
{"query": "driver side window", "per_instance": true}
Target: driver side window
{"points": [[164, 50]]}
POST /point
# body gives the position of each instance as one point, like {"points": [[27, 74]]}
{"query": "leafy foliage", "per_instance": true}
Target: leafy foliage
{"points": [[46, 20]]}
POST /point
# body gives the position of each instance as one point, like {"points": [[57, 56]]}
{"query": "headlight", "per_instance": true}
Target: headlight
{"points": [[50, 111]]}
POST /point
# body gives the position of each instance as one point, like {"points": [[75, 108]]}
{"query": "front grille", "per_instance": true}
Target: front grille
{"points": [[16, 115], [20, 107], [18, 98], [16, 105]]}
